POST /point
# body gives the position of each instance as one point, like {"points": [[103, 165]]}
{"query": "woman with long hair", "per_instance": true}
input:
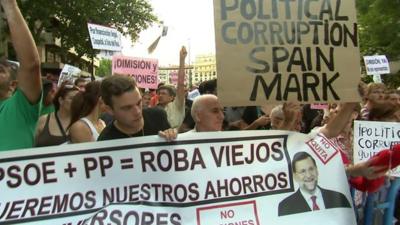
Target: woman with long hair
{"points": [[86, 108], [52, 127]]}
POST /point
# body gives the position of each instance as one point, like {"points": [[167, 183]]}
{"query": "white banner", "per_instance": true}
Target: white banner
{"points": [[371, 137], [201, 179], [376, 64], [104, 38]]}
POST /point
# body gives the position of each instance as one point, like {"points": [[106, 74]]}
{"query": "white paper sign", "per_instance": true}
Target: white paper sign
{"points": [[193, 94], [371, 137], [200, 179], [377, 78], [377, 64], [67, 74], [104, 38]]}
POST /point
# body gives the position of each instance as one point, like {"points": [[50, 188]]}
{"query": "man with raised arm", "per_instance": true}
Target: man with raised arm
{"points": [[19, 109], [173, 102]]}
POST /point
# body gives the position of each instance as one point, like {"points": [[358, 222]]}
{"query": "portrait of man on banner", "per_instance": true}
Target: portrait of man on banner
{"points": [[310, 196]]}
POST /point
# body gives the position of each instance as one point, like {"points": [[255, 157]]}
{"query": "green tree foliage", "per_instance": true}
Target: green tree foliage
{"points": [[67, 19], [379, 26], [379, 22], [104, 68]]}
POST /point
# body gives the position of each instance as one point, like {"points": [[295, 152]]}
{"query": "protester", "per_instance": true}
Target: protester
{"points": [[49, 90], [253, 118], [374, 94], [393, 97], [52, 128], [146, 97], [154, 96], [123, 101], [384, 112], [80, 82], [171, 100], [86, 108], [206, 87], [207, 113], [19, 111]]}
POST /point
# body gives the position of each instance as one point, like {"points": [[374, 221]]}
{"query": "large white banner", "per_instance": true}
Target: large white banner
{"points": [[201, 179], [372, 137]]}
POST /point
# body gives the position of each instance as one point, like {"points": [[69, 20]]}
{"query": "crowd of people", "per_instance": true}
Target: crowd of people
{"points": [[35, 113]]}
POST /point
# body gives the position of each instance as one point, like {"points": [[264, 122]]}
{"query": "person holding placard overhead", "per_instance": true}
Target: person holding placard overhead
{"points": [[171, 100]]}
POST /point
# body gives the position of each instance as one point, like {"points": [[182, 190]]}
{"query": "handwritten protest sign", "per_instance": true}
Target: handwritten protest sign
{"points": [[278, 51], [372, 137], [376, 64], [104, 38], [145, 71], [201, 179]]}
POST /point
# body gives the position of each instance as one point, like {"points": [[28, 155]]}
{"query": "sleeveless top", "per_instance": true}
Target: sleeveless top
{"points": [[45, 138], [95, 134]]}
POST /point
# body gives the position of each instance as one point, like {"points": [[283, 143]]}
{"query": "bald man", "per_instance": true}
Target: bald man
{"points": [[207, 113]]}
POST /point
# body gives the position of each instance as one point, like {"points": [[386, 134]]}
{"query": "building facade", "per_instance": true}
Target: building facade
{"points": [[205, 68], [169, 74]]}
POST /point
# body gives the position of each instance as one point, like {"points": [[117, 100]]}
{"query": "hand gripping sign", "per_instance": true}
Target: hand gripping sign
{"points": [[202, 178]]}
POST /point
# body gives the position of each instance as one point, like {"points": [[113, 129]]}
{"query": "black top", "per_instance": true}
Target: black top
{"points": [[155, 120], [45, 138]]}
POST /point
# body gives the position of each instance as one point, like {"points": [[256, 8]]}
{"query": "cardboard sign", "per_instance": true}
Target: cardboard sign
{"points": [[104, 38], [145, 71], [376, 64], [278, 51], [372, 137], [201, 179]]}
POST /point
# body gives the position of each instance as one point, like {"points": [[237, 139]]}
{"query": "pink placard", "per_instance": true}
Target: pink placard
{"points": [[145, 71], [319, 106]]}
